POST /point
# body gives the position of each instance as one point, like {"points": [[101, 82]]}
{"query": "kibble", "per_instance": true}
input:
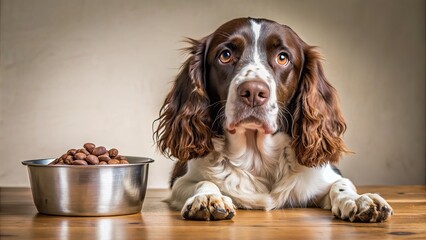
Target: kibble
{"points": [[114, 161], [89, 147], [99, 151], [80, 156], [104, 158], [72, 152], [83, 150], [79, 162], [92, 159], [90, 154], [113, 152]]}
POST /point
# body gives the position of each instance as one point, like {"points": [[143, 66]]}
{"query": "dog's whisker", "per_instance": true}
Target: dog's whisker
{"points": [[221, 114], [282, 114]]}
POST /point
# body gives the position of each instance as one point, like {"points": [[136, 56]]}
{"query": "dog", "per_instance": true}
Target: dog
{"points": [[255, 124]]}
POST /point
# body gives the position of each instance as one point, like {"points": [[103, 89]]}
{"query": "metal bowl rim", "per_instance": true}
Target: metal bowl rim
{"points": [[35, 163]]}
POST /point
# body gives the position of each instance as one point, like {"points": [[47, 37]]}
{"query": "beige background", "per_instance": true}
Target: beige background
{"points": [[78, 71]]}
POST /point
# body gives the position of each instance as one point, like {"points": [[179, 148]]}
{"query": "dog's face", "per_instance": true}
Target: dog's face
{"points": [[252, 72]]}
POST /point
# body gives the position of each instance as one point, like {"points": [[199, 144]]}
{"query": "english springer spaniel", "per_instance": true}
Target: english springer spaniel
{"points": [[255, 124]]}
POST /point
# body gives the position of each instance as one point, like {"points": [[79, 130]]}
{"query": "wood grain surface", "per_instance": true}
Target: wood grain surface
{"points": [[19, 220]]}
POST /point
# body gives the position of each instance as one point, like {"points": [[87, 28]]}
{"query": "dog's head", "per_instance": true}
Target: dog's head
{"points": [[252, 74]]}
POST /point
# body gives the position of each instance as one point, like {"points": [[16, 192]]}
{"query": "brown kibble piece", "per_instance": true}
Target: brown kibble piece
{"points": [[113, 152], [68, 160], [89, 147], [104, 157], [72, 152], [119, 157], [102, 163], [92, 159], [114, 161], [80, 156], [99, 151], [79, 162], [124, 162], [83, 150]]}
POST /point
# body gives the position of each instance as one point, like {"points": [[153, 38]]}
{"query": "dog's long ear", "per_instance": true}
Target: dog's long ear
{"points": [[318, 122], [184, 120]]}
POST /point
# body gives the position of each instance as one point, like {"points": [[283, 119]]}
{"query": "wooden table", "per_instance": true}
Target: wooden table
{"points": [[19, 220]]}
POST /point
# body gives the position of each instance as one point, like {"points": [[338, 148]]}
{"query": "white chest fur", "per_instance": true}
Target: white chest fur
{"points": [[261, 171]]}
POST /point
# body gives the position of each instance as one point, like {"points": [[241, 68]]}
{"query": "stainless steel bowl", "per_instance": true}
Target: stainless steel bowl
{"points": [[92, 190]]}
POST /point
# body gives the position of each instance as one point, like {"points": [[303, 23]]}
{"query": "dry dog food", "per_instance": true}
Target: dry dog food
{"points": [[90, 154]]}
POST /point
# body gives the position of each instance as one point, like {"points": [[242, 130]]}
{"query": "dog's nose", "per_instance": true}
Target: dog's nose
{"points": [[253, 93]]}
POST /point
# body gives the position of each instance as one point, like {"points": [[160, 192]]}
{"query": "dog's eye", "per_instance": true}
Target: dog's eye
{"points": [[225, 56], [282, 59]]}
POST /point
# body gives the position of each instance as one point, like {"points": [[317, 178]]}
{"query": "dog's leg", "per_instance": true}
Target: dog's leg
{"points": [[348, 205], [206, 202]]}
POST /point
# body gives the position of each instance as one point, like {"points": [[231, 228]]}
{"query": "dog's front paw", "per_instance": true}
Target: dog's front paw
{"points": [[208, 207], [366, 208]]}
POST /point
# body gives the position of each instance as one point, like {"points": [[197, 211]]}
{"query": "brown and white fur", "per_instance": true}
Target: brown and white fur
{"points": [[255, 125]]}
